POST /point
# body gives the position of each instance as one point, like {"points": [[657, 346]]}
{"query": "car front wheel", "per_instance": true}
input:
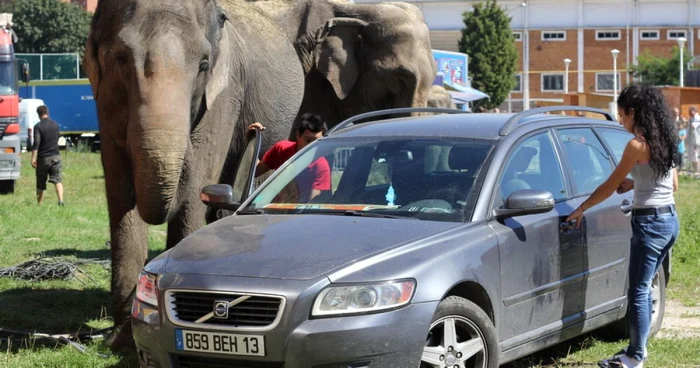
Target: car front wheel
{"points": [[461, 336]]}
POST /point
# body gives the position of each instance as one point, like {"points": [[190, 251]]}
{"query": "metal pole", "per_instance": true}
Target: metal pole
{"points": [[77, 65], [526, 63], [566, 75], [41, 66], [510, 101]]}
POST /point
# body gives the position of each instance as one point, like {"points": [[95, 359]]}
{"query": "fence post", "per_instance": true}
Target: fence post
{"points": [[41, 66], [77, 65]]}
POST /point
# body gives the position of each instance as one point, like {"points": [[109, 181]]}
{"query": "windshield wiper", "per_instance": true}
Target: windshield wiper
{"points": [[255, 211], [375, 214]]}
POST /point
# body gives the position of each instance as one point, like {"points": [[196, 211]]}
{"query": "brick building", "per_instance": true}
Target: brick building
{"points": [[88, 5], [584, 31]]}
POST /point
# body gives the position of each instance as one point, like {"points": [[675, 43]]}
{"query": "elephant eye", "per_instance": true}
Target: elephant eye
{"points": [[120, 58], [204, 66]]}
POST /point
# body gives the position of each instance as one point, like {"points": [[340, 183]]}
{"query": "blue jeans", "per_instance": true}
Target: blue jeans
{"points": [[652, 238]]}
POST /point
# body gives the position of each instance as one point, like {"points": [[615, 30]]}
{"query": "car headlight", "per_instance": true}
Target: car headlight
{"points": [[147, 288], [365, 298]]}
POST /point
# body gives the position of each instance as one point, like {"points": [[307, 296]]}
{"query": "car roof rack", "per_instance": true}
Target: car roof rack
{"points": [[351, 120], [519, 117]]}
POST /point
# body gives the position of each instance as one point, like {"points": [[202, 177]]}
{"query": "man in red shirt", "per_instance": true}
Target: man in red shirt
{"points": [[317, 176]]}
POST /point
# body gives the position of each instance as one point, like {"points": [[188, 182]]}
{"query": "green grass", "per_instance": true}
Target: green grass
{"points": [[685, 277], [80, 230]]}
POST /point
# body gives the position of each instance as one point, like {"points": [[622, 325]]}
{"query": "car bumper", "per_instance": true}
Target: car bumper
{"points": [[389, 339]]}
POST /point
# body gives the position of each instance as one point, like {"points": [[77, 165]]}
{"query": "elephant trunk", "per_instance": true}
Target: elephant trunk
{"points": [[158, 138]]}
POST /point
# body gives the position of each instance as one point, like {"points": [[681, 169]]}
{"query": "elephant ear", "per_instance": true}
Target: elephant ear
{"points": [[336, 53], [218, 79], [91, 65]]}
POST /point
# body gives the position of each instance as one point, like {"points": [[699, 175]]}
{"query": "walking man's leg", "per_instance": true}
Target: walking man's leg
{"points": [[41, 174], [56, 178]]}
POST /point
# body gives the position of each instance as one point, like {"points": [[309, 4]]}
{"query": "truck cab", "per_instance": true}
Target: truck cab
{"points": [[10, 141]]}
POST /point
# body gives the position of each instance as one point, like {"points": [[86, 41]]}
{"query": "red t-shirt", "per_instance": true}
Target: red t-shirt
{"points": [[316, 176]]}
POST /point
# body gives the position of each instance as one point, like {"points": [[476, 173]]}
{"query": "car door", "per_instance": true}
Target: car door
{"points": [[541, 263], [605, 227]]}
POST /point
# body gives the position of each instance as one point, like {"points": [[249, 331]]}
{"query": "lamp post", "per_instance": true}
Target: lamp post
{"points": [[567, 61], [681, 43], [524, 40], [614, 53], [526, 60]]}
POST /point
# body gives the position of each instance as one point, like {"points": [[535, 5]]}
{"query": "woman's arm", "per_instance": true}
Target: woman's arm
{"points": [[630, 157], [675, 179]]}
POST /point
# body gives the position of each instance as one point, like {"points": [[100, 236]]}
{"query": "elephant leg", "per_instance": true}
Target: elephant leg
{"points": [[129, 239], [190, 217]]}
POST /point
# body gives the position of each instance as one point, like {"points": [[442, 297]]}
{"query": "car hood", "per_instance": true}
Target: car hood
{"points": [[297, 246]]}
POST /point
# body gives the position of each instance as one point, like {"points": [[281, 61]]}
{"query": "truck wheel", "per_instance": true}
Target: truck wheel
{"points": [[7, 186], [461, 334]]}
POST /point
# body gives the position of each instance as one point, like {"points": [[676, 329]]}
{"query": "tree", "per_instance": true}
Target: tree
{"points": [[488, 40], [50, 26], [655, 70]]}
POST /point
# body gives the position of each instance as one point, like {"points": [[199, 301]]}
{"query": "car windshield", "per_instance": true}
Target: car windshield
{"points": [[418, 178]]}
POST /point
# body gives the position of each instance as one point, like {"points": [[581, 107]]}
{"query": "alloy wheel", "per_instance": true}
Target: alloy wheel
{"points": [[454, 342], [655, 299]]}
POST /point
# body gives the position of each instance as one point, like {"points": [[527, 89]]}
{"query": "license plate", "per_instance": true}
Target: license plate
{"points": [[219, 342]]}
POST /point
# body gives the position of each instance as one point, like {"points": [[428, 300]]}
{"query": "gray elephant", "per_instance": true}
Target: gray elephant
{"points": [[176, 83], [440, 97], [357, 57]]}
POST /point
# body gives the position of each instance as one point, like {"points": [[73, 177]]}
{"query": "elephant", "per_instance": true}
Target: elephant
{"points": [[357, 57], [176, 84], [439, 97]]}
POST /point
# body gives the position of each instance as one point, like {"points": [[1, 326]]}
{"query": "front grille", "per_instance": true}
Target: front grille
{"points": [[188, 361], [257, 311], [3, 126]]}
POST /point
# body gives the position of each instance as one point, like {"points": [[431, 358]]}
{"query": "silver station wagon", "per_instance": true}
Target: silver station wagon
{"points": [[441, 243]]}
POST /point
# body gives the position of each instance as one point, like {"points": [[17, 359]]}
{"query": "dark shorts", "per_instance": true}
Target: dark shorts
{"points": [[48, 166]]}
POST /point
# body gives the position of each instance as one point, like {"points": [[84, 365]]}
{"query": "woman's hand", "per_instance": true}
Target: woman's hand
{"points": [[256, 125], [626, 185], [577, 215]]}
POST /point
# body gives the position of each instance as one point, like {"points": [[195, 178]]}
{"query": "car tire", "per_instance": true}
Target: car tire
{"points": [[7, 186], [619, 329], [469, 322]]}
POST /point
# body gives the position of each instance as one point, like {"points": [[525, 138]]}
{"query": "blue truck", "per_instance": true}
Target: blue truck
{"points": [[71, 105]]}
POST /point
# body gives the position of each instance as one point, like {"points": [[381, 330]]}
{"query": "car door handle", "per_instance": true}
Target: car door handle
{"points": [[567, 226], [626, 206]]}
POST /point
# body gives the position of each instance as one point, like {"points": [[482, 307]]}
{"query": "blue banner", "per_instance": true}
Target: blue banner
{"points": [[452, 67]]}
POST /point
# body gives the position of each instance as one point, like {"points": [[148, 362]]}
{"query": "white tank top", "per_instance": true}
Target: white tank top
{"points": [[650, 193]]}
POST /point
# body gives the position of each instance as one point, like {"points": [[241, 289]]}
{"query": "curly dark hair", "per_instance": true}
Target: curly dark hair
{"points": [[653, 121]]}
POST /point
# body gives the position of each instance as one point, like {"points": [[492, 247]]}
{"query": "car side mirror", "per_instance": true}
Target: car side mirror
{"points": [[24, 71], [219, 196], [526, 202]]}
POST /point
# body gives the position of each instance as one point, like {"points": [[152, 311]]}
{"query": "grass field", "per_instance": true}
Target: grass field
{"points": [[80, 230]]}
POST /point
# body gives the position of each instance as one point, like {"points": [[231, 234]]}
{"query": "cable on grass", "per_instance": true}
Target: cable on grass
{"points": [[49, 268], [68, 339]]}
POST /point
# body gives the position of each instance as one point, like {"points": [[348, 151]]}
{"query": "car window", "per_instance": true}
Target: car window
{"points": [[587, 159], [616, 139], [533, 164]]}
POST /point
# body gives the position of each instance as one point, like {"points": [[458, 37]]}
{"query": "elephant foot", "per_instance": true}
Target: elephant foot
{"points": [[121, 340]]}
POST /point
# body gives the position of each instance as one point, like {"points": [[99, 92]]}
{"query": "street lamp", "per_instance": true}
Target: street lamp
{"points": [[681, 42], [614, 53], [567, 61]]}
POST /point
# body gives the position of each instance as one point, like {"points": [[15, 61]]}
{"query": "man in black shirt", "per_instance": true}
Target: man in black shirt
{"points": [[45, 156]]}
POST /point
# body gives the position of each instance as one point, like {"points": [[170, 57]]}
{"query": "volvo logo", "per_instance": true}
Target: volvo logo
{"points": [[221, 309]]}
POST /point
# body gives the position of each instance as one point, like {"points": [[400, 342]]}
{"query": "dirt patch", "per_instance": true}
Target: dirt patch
{"points": [[680, 321]]}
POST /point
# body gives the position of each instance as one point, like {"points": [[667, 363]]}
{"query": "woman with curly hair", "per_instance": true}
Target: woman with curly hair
{"points": [[651, 158]]}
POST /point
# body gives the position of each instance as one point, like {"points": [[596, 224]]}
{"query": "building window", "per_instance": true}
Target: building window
{"points": [[552, 82], [604, 81], [607, 35], [518, 87], [554, 36], [518, 36], [675, 34], [649, 34]]}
